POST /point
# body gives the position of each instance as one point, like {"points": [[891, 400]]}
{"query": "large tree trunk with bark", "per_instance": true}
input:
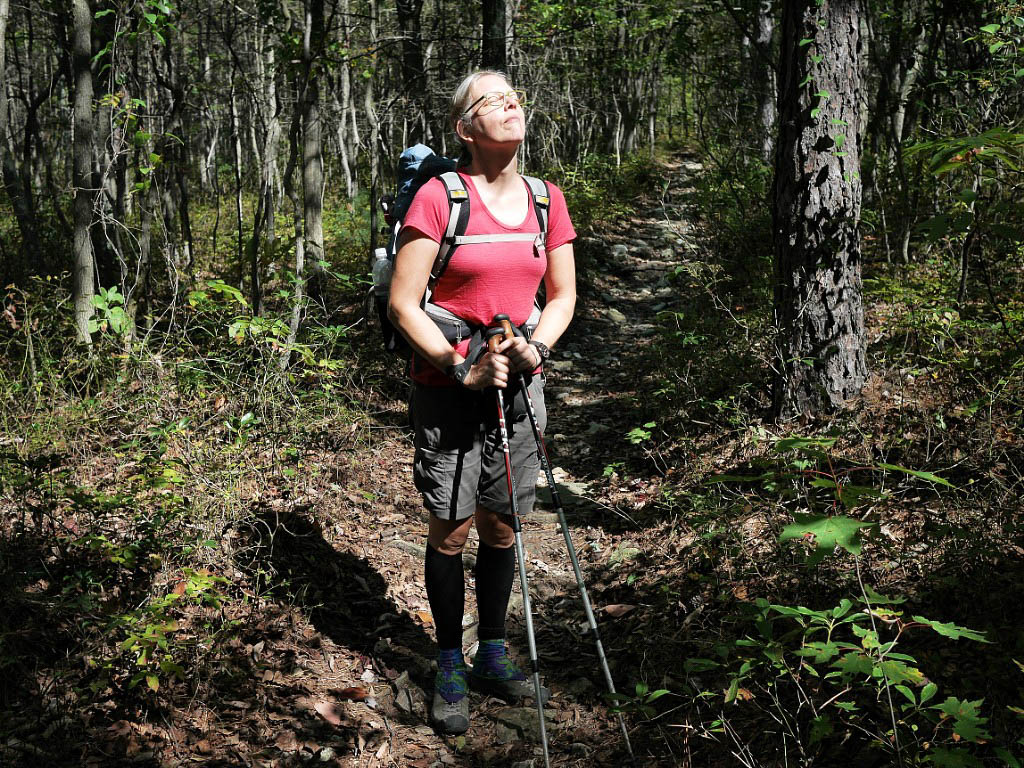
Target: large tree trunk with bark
{"points": [[817, 198], [83, 287], [495, 46]]}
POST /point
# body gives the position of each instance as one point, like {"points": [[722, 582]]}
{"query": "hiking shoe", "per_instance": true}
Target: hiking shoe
{"points": [[450, 708], [494, 673]]}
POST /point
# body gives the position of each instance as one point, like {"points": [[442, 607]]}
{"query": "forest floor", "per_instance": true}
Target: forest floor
{"points": [[292, 628]]}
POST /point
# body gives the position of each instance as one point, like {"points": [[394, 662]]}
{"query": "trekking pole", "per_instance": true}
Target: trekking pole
{"points": [[494, 337], [545, 462]]}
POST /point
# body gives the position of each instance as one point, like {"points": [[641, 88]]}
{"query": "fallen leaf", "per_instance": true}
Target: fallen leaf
{"points": [[287, 742], [328, 711], [121, 728], [425, 617], [619, 609]]}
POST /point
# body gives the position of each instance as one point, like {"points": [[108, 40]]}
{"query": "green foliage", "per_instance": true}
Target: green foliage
{"points": [[110, 307], [730, 202], [640, 703], [642, 434], [599, 190], [806, 468], [843, 664], [150, 631], [217, 303]]}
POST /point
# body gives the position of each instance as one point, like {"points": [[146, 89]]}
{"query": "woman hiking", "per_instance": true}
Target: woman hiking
{"points": [[458, 464]]}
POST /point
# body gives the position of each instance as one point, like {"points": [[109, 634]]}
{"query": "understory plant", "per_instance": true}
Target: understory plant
{"points": [[805, 685], [841, 679]]}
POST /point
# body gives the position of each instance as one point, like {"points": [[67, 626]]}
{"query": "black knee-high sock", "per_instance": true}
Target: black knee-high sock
{"points": [[495, 569], [446, 591]]}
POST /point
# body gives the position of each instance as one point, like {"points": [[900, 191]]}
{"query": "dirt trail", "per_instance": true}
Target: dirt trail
{"points": [[592, 381], [328, 659]]}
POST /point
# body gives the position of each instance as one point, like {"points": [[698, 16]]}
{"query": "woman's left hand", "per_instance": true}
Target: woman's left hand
{"points": [[522, 357]]}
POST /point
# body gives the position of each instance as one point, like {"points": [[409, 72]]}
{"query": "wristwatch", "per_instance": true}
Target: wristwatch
{"points": [[542, 349], [458, 373]]}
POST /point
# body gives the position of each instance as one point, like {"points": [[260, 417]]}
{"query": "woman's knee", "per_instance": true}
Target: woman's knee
{"points": [[494, 528], [449, 537]]}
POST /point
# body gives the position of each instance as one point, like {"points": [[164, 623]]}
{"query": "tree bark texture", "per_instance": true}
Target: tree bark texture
{"points": [[83, 275], [18, 191], [312, 153], [494, 54], [816, 210], [764, 78], [412, 44]]}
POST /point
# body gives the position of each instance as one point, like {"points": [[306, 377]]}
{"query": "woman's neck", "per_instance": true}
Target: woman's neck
{"points": [[495, 167]]}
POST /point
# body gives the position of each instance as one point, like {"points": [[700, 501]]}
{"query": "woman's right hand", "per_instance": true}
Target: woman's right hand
{"points": [[491, 370]]}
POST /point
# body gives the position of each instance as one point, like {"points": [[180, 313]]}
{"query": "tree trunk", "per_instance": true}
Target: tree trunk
{"points": [[236, 143], [299, 301], [764, 78], [412, 44], [83, 287], [311, 241], [413, 71], [347, 138], [273, 139], [374, 138], [312, 152], [12, 177], [817, 198], [494, 53], [176, 151]]}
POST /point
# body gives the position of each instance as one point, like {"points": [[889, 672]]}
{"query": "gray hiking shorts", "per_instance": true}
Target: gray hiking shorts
{"points": [[459, 462]]}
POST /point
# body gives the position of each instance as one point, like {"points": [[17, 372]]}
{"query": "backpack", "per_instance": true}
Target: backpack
{"points": [[416, 166]]}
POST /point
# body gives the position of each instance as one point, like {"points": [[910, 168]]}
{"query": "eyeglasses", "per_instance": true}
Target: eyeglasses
{"points": [[496, 99]]}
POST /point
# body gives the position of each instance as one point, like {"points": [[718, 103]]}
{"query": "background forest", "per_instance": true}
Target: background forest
{"points": [[789, 416]]}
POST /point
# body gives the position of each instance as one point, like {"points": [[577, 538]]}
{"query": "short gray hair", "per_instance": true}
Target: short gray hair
{"points": [[461, 101]]}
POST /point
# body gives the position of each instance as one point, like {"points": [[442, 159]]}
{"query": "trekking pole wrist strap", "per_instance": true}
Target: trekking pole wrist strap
{"points": [[458, 372]]}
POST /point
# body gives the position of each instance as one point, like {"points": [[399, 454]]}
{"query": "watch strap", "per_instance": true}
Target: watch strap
{"points": [[542, 349]]}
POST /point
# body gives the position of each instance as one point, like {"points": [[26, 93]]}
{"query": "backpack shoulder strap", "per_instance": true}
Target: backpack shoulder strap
{"points": [[458, 220], [541, 203]]}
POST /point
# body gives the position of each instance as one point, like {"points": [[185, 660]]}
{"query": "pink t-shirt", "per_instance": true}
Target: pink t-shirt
{"points": [[485, 279]]}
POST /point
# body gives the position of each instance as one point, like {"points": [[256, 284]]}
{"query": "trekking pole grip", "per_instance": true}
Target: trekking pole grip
{"points": [[494, 338], [506, 325]]}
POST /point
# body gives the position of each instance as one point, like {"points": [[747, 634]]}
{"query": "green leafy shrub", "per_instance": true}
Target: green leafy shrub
{"points": [[848, 671]]}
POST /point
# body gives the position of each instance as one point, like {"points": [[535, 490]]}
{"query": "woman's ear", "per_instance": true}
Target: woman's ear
{"points": [[462, 130]]}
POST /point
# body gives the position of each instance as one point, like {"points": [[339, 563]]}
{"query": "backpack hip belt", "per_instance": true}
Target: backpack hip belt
{"points": [[455, 329]]}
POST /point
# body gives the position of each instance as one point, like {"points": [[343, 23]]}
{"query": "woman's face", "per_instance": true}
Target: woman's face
{"points": [[501, 124]]}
